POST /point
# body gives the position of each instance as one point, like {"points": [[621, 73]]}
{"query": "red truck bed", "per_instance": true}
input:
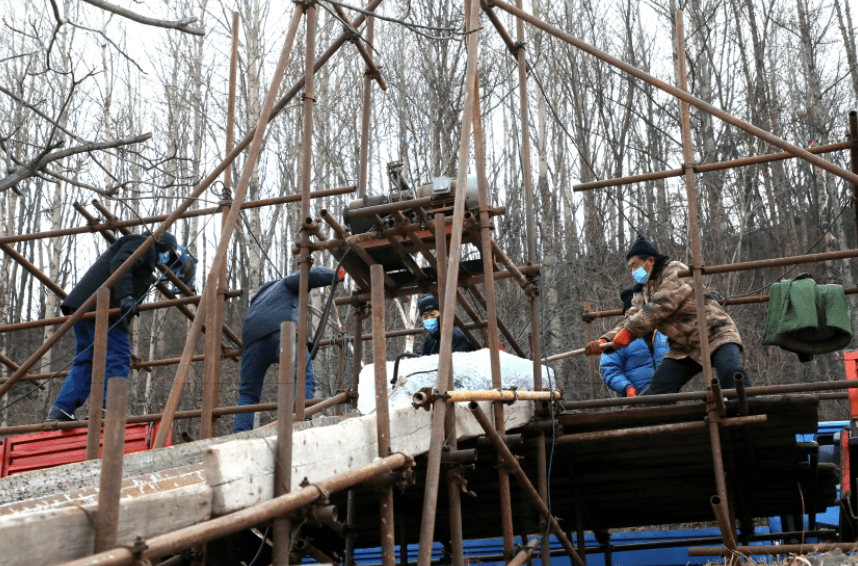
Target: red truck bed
{"points": [[42, 450]]}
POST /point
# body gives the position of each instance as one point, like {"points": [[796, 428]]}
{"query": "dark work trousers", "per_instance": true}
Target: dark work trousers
{"points": [[78, 382], [255, 360], [672, 374]]}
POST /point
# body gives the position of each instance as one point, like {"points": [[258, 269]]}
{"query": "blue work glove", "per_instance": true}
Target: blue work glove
{"points": [[129, 307]]}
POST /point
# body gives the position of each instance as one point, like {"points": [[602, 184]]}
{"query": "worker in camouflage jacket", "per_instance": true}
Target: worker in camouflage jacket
{"points": [[664, 301]]}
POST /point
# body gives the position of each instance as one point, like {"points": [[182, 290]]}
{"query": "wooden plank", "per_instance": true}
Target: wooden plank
{"points": [[58, 535], [241, 472], [84, 475]]}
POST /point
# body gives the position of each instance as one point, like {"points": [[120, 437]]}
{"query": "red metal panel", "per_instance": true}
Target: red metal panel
{"points": [[845, 467], [850, 360], [55, 448]]}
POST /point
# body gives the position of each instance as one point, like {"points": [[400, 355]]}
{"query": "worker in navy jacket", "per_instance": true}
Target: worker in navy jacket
{"points": [[274, 303], [431, 316], [126, 294], [629, 371]]}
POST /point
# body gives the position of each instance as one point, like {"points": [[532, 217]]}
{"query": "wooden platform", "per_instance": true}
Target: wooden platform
{"points": [[642, 481]]}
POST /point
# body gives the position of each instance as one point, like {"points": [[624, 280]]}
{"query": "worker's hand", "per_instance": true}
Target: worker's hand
{"points": [[623, 338], [631, 391], [594, 348], [341, 274], [129, 307]]}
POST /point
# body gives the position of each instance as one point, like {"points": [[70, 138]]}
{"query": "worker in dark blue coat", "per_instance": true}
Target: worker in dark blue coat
{"points": [[629, 371], [274, 303], [126, 294], [431, 315]]}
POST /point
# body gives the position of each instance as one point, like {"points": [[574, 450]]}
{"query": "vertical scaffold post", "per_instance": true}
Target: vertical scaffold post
{"points": [[492, 319], [382, 410], [696, 269], [99, 358], [448, 316], [532, 258], [282, 527], [453, 493], [591, 360], [304, 260], [213, 346], [110, 484]]}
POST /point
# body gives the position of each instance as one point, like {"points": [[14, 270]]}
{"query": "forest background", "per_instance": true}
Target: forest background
{"points": [[75, 73]]}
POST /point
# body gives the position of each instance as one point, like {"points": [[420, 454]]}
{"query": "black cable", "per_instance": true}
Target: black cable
{"points": [[327, 312], [261, 546]]}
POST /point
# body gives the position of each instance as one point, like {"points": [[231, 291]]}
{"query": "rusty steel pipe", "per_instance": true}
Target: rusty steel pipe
{"points": [[99, 360], [691, 195], [315, 405], [358, 346], [775, 262], [708, 167], [396, 334], [459, 456], [488, 247], [188, 214], [372, 71], [500, 395], [535, 499], [530, 270], [655, 429], [59, 320], [110, 482], [309, 99], [591, 360], [524, 554], [379, 360], [723, 519], [433, 471], [763, 550], [282, 526], [195, 535], [507, 262], [475, 292], [454, 496], [853, 158], [366, 109], [213, 277], [680, 94], [35, 271], [717, 395], [383, 209]]}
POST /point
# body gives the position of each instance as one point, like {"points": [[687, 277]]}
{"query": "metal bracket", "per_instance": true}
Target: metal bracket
{"points": [[324, 499], [456, 473], [137, 550], [308, 95], [426, 397]]}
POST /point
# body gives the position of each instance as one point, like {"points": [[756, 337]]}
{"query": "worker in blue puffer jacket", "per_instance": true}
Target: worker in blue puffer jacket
{"points": [[629, 371]]}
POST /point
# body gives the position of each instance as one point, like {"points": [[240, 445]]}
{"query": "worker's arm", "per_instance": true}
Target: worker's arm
{"points": [[125, 286]]}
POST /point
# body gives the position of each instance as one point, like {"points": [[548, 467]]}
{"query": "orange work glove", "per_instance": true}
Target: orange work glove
{"points": [[623, 338], [631, 392], [341, 274], [593, 349]]}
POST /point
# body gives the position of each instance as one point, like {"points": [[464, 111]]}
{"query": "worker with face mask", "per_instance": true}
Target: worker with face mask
{"points": [[664, 301], [126, 294], [431, 316]]}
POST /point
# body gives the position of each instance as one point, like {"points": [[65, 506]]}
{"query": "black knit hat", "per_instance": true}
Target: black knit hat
{"points": [[166, 243], [427, 303], [626, 296], [641, 247]]}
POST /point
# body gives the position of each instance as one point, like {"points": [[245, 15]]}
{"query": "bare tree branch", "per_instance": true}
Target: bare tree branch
{"points": [[37, 165], [181, 25]]}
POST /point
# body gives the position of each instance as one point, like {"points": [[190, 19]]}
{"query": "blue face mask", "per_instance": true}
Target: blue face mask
{"points": [[640, 275], [163, 258], [431, 325]]}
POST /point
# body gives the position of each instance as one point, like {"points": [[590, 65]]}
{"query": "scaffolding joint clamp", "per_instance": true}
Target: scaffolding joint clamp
{"points": [[308, 96], [324, 494]]}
